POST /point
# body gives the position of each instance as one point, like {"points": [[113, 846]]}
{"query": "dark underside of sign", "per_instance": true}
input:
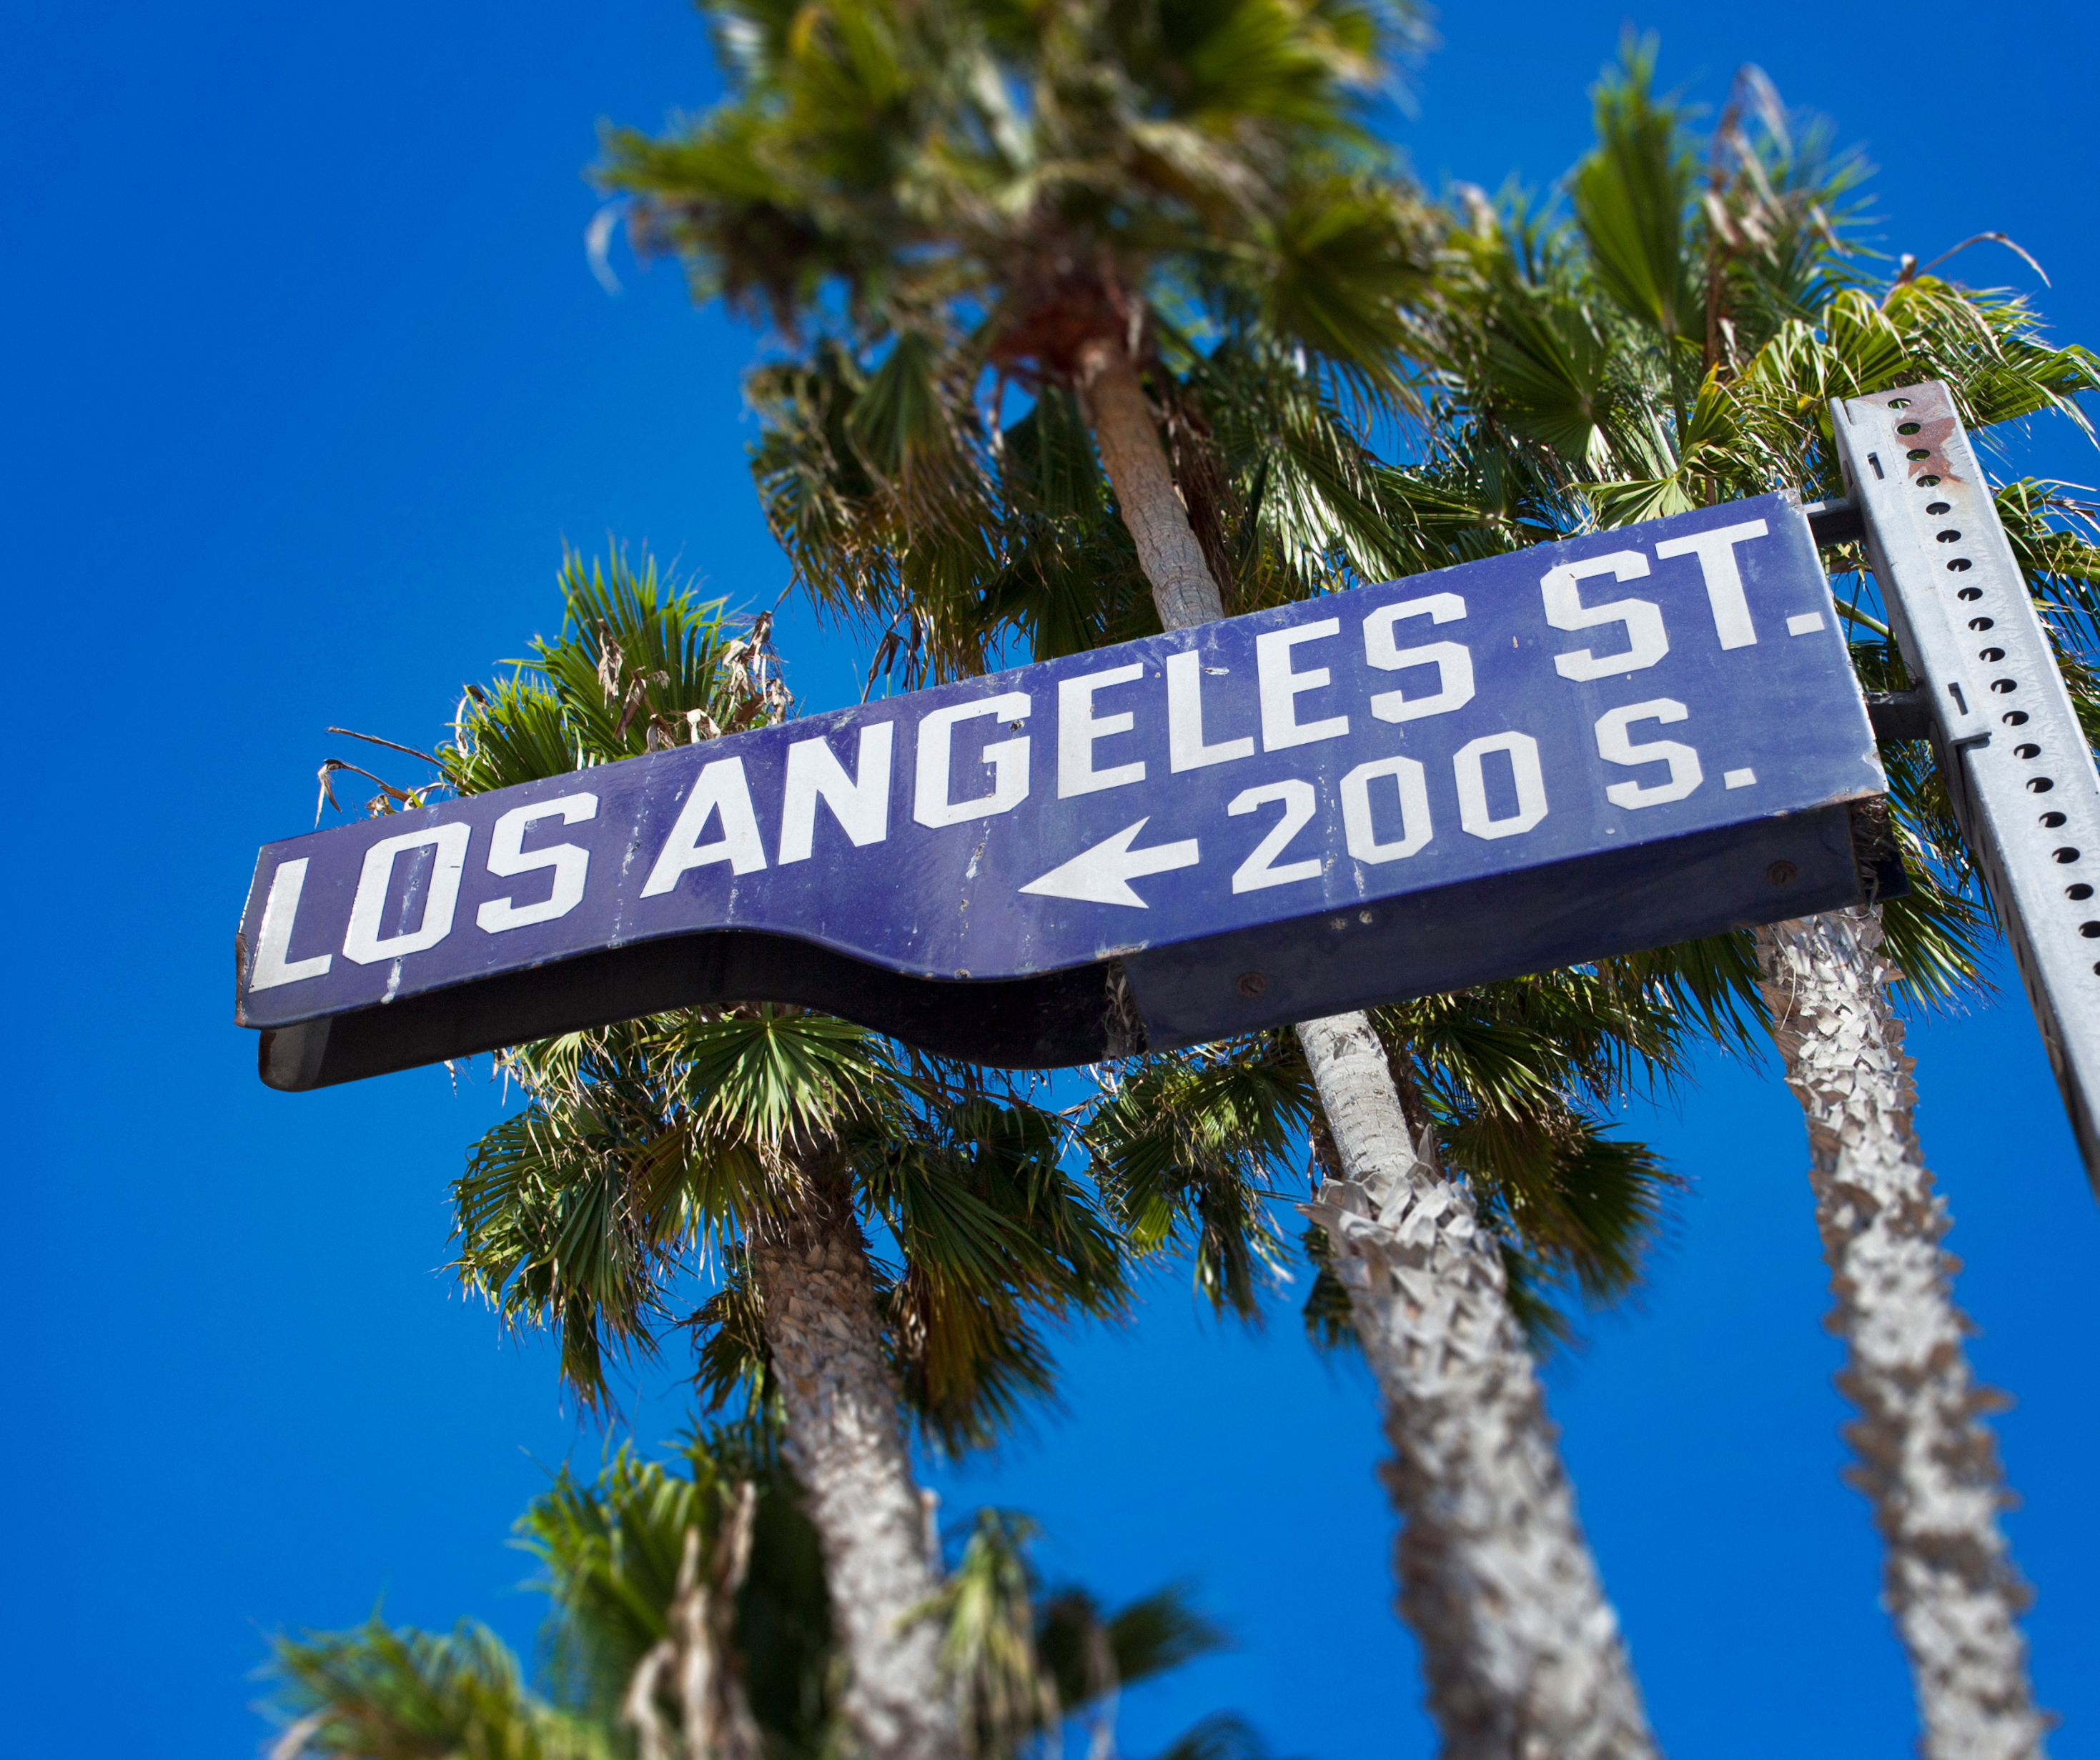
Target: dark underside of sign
{"points": [[1562, 914], [1387, 950], [1056, 1018]]}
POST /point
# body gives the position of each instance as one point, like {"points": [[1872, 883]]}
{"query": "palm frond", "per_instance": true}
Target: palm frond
{"points": [[1630, 196], [574, 1213], [1222, 1735], [1183, 1147], [770, 1073], [988, 1644], [1092, 1653], [383, 1692], [613, 1551]]}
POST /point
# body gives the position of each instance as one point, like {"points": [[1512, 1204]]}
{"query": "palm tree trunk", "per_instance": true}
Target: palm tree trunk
{"points": [[1522, 1650], [846, 1444], [1927, 1461], [1151, 507]]}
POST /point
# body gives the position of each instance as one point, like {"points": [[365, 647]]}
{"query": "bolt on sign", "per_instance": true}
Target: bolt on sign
{"points": [[1595, 746]]}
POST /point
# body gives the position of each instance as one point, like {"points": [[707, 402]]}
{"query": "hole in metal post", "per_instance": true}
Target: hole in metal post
{"points": [[2078, 892], [1979, 622], [1899, 402], [2041, 784], [2004, 687], [2055, 821], [2028, 751], [2090, 931], [1940, 507], [2067, 854], [1950, 536], [2018, 717], [1919, 452], [1781, 873], [1993, 655], [1959, 564], [1928, 482], [1971, 593], [1250, 983]]}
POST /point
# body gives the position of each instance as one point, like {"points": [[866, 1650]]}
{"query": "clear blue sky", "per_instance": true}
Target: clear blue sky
{"points": [[307, 382]]}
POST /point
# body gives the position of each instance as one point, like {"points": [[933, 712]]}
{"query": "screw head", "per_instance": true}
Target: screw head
{"points": [[1250, 983], [1782, 874]]}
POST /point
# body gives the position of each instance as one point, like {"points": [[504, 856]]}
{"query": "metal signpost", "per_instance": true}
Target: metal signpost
{"points": [[1607, 744], [2017, 764]]}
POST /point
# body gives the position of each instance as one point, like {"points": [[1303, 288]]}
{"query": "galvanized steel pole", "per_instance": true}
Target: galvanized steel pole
{"points": [[2017, 764]]}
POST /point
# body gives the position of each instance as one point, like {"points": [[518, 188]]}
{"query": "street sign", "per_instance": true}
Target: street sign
{"points": [[2018, 766], [1623, 740]]}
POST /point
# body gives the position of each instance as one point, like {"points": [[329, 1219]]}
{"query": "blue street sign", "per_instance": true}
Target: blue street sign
{"points": [[1595, 746]]}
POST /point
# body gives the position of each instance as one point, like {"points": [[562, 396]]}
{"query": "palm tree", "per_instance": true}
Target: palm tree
{"points": [[1675, 344], [689, 1620], [756, 1146], [954, 195]]}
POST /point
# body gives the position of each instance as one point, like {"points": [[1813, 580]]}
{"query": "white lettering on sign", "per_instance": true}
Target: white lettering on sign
{"points": [[508, 858], [860, 804], [1452, 661], [1281, 688], [1361, 803], [1009, 760], [440, 886], [1078, 727], [1615, 746], [1258, 869], [273, 940], [1474, 812], [1413, 784], [1102, 875], [718, 791], [1184, 719], [1646, 640], [1716, 550]]}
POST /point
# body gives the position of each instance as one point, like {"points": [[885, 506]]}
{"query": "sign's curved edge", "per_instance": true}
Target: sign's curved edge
{"points": [[1077, 1014]]}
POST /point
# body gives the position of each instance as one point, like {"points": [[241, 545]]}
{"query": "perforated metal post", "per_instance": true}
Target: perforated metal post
{"points": [[2016, 763]]}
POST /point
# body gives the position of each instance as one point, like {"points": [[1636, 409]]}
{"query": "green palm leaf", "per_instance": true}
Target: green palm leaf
{"points": [[381, 1692]]}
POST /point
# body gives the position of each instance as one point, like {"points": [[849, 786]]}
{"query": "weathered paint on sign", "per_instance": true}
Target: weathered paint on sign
{"points": [[1595, 747]]}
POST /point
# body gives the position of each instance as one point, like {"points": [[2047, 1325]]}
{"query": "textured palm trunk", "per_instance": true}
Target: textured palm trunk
{"points": [[1128, 441], [1522, 1652], [846, 1444], [1927, 1461]]}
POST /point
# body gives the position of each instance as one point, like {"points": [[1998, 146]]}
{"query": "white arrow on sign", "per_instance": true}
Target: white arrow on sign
{"points": [[1102, 874]]}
